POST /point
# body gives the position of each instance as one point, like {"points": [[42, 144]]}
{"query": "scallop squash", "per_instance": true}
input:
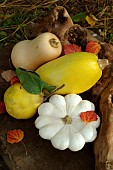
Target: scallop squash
{"points": [[77, 71]]}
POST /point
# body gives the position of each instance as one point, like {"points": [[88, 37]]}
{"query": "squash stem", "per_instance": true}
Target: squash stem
{"points": [[53, 42], [67, 119]]}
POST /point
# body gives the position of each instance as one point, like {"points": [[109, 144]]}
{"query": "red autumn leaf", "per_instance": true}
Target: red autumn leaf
{"points": [[14, 80], [15, 136], [88, 116], [71, 48], [2, 107], [93, 47]]}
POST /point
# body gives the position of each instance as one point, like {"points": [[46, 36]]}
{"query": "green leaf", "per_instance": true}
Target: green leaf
{"points": [[49, 88], [78, 17], [32, 82]]}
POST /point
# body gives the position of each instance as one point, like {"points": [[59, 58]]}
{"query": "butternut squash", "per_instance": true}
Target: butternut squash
{"points": [[77, 71], [30, 54]]}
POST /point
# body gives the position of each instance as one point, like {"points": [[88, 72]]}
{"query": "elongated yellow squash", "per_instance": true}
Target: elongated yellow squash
{"points": [[77, 71]]}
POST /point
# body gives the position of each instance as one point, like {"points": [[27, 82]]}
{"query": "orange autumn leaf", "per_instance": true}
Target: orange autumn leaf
{"points": [[14, 80], [88, 116], [71, 48], [15, 136], [93, 47], [2, 107]]}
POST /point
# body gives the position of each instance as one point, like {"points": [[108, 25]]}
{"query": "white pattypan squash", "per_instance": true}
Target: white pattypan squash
{"points": [[69, 122]]}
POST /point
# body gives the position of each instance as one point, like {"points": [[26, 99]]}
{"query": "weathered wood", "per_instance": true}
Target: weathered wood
{"points": [[103, 147]]}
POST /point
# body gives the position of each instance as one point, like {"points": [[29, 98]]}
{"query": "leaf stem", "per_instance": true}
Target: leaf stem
{"points": [[50, 94], [24, 148]]}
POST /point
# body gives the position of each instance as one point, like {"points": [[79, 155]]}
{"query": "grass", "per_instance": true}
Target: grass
{"points": [[16, 15]]}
